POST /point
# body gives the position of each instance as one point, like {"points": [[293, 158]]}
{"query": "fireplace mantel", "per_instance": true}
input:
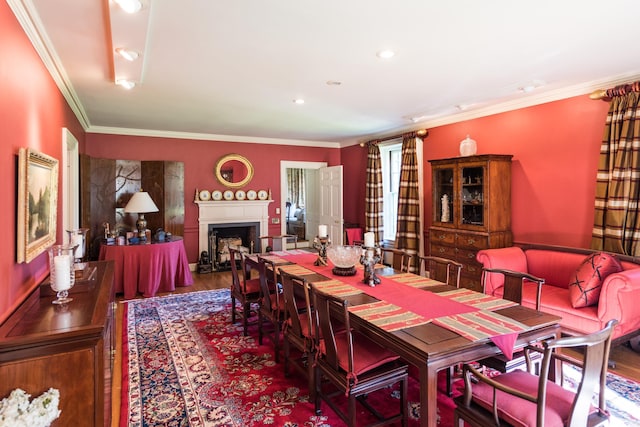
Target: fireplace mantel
{"points": [[231, 211]]}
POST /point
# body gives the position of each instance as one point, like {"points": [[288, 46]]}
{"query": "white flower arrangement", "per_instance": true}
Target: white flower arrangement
{"points": [[17, 411]]}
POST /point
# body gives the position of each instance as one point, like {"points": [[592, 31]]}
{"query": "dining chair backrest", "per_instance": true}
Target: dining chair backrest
{"points": [[441, 269], [331, 312], [297, 300], [235, 257], [513, 284], [400, 260], [253, 265]]}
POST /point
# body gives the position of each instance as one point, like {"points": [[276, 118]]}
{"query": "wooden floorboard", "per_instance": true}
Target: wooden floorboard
{"points": [[627, 361]]}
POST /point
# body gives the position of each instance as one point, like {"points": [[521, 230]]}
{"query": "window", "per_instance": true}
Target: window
{"points": [[391, 160]]}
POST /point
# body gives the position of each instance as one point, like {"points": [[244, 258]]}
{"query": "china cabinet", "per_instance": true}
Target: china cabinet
{"points": [[471, 210], [69, 347]]}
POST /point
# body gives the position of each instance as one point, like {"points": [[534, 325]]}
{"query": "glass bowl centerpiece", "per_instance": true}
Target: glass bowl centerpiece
{"points": [[344, 259]]}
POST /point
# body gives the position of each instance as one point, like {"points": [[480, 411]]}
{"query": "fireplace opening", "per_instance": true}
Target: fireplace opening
{"points": [[244, 236]]}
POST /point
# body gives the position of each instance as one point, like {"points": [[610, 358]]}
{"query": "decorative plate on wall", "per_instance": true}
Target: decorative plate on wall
{"points": [[251, 194], [216, 195], [204, 195], [228, 195], [262, 194], [240, 195]]}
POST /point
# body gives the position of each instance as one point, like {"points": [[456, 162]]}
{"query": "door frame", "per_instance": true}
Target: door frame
{"points": [[70, 183], [291, 164]]}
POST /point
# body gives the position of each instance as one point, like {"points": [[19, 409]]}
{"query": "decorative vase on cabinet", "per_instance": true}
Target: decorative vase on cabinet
{"points": [[478, 190]]}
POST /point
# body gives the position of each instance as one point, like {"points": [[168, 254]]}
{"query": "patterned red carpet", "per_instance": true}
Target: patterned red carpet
{"points": [[184, 364]]}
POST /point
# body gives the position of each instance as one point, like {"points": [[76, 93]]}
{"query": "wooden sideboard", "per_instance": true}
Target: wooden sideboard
{"points": [[70, 348]]}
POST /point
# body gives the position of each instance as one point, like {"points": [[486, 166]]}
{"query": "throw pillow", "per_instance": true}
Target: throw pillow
{"points": [[586, 283]]}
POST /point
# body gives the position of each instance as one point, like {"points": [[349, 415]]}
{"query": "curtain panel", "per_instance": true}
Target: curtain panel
{"points": [[617, 220], [296, 187], [374, 197], [408, 231]]}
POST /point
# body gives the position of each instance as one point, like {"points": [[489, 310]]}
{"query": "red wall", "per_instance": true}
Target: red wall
{"points": [[200, 158], [555, 148], [33, 114]]}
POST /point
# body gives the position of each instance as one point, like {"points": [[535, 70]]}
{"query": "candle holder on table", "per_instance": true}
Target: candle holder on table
{"points": [[321, 244], [61, 272], [78, 239], [370, 257]]}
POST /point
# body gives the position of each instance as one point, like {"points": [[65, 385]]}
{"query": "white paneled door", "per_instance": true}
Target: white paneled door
{"points": [[331, 202]]}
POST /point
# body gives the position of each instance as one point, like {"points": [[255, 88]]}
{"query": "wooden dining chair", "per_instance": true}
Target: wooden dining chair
{"points": [[352, 364], [271, 308], [441, 269], [298, 327], [513, 284], [521, 398], [446, 271], [244, 290], [400, 260]]}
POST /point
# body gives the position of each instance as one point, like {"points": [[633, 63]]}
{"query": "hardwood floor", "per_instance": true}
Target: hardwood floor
{"points": [[627, 361]]}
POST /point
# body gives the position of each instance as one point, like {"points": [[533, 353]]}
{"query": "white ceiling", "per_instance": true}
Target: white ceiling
{"points": [[231, 69]]}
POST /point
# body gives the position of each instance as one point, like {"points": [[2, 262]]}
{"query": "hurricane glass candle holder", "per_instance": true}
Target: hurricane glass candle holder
{"points": [[61, 271]]}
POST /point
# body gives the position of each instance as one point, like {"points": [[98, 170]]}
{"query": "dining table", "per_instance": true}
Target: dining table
{"points": [[429, 324]]}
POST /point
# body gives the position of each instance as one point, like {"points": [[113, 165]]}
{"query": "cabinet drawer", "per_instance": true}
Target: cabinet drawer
{"points": [[443, 251], [468, 240], [470, 282], [443, 237]]}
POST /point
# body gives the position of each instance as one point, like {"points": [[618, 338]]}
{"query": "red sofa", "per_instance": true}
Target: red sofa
{"points": [[619, 298]]}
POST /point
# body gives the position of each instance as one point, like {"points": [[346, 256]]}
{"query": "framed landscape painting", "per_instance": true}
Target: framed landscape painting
{"points": [[37, 203]]}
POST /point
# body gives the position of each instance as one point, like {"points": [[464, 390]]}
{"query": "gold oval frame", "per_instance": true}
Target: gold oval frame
{"points": [[239, 158]]}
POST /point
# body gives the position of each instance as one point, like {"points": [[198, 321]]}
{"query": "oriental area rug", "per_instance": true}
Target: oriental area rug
{"points": [[185, 364]]}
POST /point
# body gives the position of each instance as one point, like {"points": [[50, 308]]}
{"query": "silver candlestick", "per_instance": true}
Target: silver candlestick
{"points": [[321, 243], [370, 257]]}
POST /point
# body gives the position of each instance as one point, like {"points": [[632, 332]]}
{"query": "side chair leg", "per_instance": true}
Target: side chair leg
{"points": [[233, 310]]}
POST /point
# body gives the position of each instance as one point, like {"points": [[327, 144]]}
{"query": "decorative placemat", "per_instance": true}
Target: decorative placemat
{"points": [[275, 259], [388, 316], [477, 299], [336, 288], [481, 324], [296, 269], [414, 280]]}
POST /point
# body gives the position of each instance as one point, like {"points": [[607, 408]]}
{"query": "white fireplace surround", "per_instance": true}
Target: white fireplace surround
{"points": [[231, 211]]}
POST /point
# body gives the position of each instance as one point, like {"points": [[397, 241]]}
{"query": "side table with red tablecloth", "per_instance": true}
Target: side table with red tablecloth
{"points": [[149, 268]]}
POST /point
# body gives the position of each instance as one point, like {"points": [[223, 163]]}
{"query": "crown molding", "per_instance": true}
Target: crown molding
{"points": [[211, 137], [32, 26]]}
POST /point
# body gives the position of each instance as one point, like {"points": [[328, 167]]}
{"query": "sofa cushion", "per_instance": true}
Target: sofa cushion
{"points": [[555, 267], [586, 282]]}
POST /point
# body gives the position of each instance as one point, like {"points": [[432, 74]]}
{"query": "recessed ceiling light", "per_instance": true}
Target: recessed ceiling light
{"points": [[129, 55], [129, 6], [127, 84], [386, 54], [298, 101], [333, 83]]}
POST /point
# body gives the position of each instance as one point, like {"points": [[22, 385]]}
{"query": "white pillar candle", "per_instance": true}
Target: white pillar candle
{"points": [[62, 265], [77, 241], [322, 230], [369, 239]]}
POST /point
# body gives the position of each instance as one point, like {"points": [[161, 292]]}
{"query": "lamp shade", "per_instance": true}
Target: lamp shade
{"points": [[141, 202]]}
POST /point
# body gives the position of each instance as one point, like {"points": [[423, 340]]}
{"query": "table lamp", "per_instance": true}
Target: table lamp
{"points": [[141, 203]]}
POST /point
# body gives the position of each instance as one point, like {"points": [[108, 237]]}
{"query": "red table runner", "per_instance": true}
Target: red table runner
{"points": [[403, 305]]}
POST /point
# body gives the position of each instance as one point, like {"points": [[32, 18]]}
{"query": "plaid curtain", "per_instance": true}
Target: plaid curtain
{"points": [[617, 220], [408, 231], [374, 198], [296, 192]]}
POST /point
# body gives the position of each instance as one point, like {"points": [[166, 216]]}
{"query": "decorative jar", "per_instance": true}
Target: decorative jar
{"points": [[468, 147]]}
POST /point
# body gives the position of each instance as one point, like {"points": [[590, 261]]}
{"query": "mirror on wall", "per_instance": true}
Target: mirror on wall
{"points": [[234, 170]]}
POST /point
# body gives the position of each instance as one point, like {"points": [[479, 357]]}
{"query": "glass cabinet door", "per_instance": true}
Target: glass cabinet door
{"points": [[472, 198], [444, 195]]}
